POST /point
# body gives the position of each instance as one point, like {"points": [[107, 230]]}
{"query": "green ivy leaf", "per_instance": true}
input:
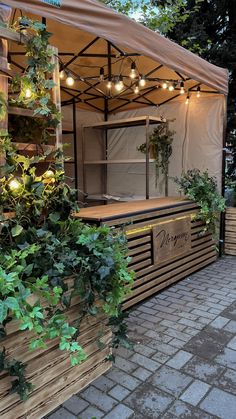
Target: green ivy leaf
{"points": [[12, 303], [17, 230], [3, 311]]}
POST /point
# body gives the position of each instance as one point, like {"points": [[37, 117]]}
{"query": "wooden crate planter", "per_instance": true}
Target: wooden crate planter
{"points": [[50, 371], [230, 231]]}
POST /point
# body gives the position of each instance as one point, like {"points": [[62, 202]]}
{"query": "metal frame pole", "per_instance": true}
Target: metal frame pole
{"points": [[75, 147], [222, 216], [147, 157]]}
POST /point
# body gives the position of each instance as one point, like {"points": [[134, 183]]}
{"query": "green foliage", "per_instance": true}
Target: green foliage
{"points": [[3, 106], [16, 369], [202, 189], [35, 86], [38, 294], [160, 143]]}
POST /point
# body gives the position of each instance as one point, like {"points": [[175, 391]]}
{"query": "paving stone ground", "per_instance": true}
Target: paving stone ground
{"points": [[183, 364]]}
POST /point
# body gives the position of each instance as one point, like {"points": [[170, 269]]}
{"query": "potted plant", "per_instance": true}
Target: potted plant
{"points": [[160, 149]]}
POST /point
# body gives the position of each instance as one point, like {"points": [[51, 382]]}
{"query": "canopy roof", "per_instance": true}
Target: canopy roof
{"points": [[97, 37]]}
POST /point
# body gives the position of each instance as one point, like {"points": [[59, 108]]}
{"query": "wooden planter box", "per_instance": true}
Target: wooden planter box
{"points": [[50, 371], [230, 231]]}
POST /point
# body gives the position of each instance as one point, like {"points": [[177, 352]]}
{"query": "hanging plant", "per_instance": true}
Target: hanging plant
{"points": [[160, 147], [3, 106], [202, 189], [35, 85]]}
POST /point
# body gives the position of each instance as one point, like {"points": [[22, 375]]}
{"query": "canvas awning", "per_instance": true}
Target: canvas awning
{"points": [[90, 22]]}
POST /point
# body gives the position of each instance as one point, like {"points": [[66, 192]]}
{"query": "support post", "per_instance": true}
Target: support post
{"points": [[56, 94], [222, 216], [147, 157], [75, 147]]}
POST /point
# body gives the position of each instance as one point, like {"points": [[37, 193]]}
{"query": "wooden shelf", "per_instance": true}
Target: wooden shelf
{"points": [[14, 110], [34, 147], [128, 161], [125, 123], [11, 35]]}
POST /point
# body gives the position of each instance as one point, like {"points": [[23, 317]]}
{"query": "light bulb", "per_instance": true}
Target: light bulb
{"points": [[198, 91], [28, 93], [171, 87], [164, 85], [133, 72], [62, 74], [69, 81], [14, 184], [101, 77], [182, 91], [119, 84], [136, 89], [48, 174], [187, 100], [109, 84], [142, 81]]}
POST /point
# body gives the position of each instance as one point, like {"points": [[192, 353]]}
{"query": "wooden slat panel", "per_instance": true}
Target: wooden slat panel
{"points": [[139, 249], [230, 231], [165, 284], [137, 242]]}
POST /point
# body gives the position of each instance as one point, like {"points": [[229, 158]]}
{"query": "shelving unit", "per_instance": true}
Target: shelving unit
{"points": [[5, 73], [144, 121]]}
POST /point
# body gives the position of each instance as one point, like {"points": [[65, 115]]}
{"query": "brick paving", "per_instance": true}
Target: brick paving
{"points": [[183, 364]]}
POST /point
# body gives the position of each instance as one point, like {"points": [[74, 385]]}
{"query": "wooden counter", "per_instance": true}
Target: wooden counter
{"points": [[164, 241]]}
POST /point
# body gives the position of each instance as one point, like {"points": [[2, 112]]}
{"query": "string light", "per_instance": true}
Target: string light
{"points": [[62, 74], [164, 85], [182, 91], [133, 72], [187, 99], [28, 93], [70, 81], [109, 84], [142, 81], [198, 91], [14, 185], [101, 74], [119, 85], [171, 87], [136, 89]]}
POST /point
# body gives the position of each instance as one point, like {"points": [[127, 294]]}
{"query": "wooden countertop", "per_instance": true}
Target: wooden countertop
{"points": [[124, 209]]}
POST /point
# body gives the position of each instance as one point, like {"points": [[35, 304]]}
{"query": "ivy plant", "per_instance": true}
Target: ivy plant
{"points": [[202, 189], [160, 145]]}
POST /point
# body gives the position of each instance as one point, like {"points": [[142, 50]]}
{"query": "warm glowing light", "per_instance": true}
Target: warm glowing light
{"points": [[182, 91], [164, 85], [14, 184], [133, 72], [28, 93], [109, 84], [187, 100], [171, 88], [119, 85], [198, 91], [48, 174], [62, 74], [70, 81], [142, 81], [136, 90]]}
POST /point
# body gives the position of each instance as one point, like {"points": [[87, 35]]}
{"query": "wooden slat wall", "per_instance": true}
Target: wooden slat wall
{"points": [[230, 231], [150, 278], [50, 371]]}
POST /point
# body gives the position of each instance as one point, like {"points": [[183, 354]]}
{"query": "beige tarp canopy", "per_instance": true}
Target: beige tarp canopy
{"points": [[83, 42]]}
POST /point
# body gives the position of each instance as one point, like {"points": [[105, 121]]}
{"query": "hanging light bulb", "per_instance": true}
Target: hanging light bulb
{"points": [[164, 85], [14, 184], [187, 99], [28, 93], [62, 74], [69, 80], [142, 81], [171, 87], [136, 89], [101, 77], [119, 85], [182, 91], [109, 84], [198, 91], [133, 72]]}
